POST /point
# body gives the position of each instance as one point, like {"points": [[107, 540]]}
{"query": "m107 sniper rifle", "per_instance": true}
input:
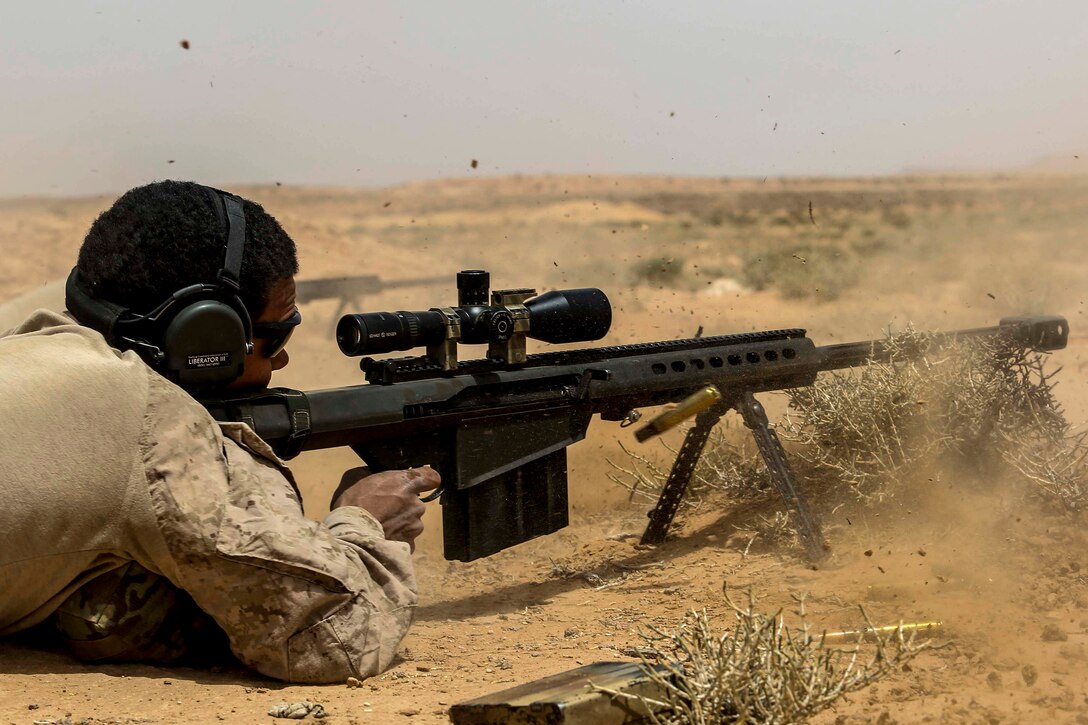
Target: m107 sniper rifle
{"points": [[497, 428]]}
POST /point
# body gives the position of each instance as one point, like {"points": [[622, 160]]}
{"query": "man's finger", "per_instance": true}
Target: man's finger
{"points": [[424, 479]]}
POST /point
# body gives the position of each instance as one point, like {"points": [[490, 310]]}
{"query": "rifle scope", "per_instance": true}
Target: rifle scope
{"points": [[574, 315]]}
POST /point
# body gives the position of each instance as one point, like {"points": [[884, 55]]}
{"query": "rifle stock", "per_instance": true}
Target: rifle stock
{"points": [[498, 433]]}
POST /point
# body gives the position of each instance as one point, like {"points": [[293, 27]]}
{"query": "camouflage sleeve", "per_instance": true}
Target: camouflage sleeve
{"points": [[301, 601]]}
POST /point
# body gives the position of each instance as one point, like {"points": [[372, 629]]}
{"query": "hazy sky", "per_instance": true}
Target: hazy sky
{"points": [[100, 96]]}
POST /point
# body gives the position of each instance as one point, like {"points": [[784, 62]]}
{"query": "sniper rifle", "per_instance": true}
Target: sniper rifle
{"points": [[497, 429]]}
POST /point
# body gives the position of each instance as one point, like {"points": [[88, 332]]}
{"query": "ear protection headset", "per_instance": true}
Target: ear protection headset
{"points": [[199, 336]]}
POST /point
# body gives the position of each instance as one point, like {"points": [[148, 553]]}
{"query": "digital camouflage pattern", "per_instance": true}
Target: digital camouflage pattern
{"points": [[132, 615]]}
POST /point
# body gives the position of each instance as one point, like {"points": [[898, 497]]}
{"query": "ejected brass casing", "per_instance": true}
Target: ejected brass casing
{"points": [[685, 409], [871, 634]]}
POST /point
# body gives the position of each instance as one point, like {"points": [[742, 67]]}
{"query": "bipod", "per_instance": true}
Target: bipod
{"points": [[774, 457]]}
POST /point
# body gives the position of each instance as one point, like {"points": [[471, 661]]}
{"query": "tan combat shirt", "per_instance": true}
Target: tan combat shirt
{"points": [[103, 461]]}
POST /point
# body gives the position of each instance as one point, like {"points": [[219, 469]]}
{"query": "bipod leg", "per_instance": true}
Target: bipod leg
{"points": [[755, 418], [680, 475]]}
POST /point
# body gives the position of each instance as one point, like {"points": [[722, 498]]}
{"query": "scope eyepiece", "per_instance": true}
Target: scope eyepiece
{"points": [[373, 333]]}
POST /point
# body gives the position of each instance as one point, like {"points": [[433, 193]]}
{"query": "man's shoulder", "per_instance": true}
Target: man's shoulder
{"points": [[49, 346], [40, 320]]}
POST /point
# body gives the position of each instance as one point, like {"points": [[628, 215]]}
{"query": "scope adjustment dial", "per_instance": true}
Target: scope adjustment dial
{"points": [[499, 325]]}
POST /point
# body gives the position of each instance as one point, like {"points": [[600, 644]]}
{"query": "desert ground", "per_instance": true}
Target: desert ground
{"points": [[847, 259]]}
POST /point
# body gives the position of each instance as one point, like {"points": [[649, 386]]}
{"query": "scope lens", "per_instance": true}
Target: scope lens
{"points": [[373, 333], [570, 315]]}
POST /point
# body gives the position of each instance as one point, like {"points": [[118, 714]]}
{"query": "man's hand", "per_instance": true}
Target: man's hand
{"points": [[392, 497]]}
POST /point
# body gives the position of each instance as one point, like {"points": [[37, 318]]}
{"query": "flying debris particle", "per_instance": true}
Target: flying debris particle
{"points": [[775, 126], [810, 215], [169, 161], [386, 205], [798, 256], [672, 113], [898, 52], [279, 183], [990, 296], [474, 163], [555, 263], [184, 44]]}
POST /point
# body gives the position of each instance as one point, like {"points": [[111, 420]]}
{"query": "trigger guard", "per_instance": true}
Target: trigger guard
{"points": [[433, 494]]}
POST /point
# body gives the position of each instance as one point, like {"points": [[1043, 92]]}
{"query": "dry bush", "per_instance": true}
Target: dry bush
{"points": [[660, 272], [805, 270], [978, 402], [761, 670], [866, 427]]}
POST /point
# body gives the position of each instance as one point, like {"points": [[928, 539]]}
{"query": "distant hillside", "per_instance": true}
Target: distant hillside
{"points": [[1071, 163]]}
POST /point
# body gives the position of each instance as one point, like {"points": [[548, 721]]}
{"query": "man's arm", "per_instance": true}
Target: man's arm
{"points": [[301, 601]]}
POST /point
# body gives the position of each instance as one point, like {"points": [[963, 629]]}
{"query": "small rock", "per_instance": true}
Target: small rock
{"points": [[354, 682], [1030, 674], [297, 710], [33, 706], [994, 680], [411, 712], [570, 632], [1054, 633]]}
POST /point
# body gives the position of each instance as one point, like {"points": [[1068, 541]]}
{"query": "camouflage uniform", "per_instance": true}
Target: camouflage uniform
{"points": [[106, 464], [133, 615]]}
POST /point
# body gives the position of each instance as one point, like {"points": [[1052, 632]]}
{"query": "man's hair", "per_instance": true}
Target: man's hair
{"points": [[159, 238]]}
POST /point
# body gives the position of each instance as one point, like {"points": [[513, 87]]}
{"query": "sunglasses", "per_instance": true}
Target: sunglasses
{"points": [[276, 334]]}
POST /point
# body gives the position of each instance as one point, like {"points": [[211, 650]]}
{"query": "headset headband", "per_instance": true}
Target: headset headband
{"points": [[231, 217]]}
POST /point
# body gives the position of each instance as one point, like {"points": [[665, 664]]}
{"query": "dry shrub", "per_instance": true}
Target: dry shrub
{"points": [[979, 402], [805, 270], [660, 272], [866, 427], [761, 670]]}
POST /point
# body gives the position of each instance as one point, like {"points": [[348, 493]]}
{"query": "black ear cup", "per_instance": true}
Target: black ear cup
{"points": [[204, 345]]}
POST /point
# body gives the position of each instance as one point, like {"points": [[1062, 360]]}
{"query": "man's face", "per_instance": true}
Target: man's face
{"points": [[259, 366]]}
